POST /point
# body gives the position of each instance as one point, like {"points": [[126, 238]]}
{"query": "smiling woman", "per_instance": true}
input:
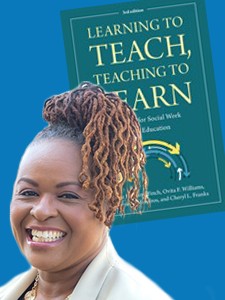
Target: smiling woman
{"points": [[66, 193]]}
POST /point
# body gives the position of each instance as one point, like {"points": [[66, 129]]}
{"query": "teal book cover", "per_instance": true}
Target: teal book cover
{"points": [[156, 56]]}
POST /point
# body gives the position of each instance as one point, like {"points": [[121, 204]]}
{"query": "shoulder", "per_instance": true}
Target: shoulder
{"points": [[17, 285], [124, 281], [9, 285]]}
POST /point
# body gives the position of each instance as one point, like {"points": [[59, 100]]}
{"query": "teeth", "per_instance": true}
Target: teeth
{"points": [[46, 236]]}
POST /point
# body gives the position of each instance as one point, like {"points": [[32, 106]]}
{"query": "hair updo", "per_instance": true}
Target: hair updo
{"points": [[111, 147]]}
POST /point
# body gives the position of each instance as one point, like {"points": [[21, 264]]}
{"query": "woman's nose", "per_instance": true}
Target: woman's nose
{"points": [[45, 208]]}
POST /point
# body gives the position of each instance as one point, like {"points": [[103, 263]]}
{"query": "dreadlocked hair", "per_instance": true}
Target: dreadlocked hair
{"points": [[111, 147]]}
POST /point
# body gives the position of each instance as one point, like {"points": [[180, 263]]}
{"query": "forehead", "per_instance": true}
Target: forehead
{"points": [[57, 153]]}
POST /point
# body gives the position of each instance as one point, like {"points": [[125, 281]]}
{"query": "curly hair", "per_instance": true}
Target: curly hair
{"points": [[111, 146]]}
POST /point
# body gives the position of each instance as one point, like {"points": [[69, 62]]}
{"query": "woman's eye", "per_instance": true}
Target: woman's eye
{"points": [[29, 193], [69, 196]]}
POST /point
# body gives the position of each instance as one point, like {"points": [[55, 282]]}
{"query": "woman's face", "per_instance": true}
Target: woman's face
{"points": [[50, 217]]}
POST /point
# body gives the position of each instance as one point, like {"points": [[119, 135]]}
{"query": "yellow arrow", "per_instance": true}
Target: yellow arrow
{"points": [[167, 164], [172, 149]]}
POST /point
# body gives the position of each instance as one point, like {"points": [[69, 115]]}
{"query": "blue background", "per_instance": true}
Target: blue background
{"points": [[185, 255]]}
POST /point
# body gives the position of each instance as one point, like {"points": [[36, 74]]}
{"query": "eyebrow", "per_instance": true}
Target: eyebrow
{"points": [[59, 185], [28, 180], [62, 184]]}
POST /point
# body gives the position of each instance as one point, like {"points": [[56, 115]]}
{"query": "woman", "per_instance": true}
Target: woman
{"points": [[67, 191]]}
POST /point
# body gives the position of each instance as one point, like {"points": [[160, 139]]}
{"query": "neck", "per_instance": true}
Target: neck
{"points": [[52, 284]]}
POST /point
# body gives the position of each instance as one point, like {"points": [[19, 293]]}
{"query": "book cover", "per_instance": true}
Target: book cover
{"points": [[157, 57]]}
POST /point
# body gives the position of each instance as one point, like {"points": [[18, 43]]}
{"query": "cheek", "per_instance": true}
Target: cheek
{"points": [[14, 212], [15, 217], [18, 211], [82, 219], [78, 216]]}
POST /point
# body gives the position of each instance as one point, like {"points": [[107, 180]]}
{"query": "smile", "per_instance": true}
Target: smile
{"points": [[45, 236]]}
